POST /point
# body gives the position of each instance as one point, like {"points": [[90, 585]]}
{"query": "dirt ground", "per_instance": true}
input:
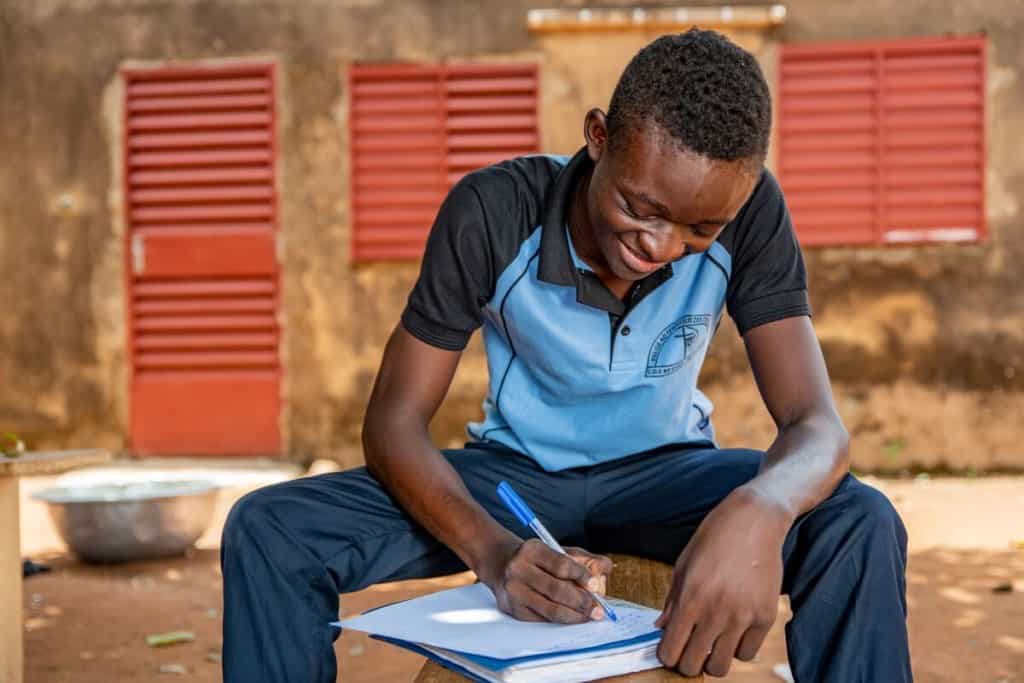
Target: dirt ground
{"points": [[88, 624]]}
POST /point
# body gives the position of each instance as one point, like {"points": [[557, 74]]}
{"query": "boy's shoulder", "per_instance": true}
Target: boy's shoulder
{"points": [[517, 187], [763, 213], [766, 192], [492, 211]]}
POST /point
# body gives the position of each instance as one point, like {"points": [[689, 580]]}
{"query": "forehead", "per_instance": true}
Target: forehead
{"points": [[693, 187]]}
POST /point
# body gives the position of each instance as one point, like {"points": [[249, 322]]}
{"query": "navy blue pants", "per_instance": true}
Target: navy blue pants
{"points": [[290, 549]]}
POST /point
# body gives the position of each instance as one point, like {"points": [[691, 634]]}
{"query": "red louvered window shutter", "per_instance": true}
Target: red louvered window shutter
{"points": [[417, 129], [202, 270], [884, 142]]}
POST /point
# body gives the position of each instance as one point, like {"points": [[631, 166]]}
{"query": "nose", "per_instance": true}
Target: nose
{"points": [[662, 246]]}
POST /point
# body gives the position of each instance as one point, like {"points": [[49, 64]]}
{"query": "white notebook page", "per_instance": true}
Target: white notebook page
{"points": [[466, 619]]}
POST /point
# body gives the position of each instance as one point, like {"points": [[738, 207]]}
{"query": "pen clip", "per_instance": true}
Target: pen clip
{"points": [[516, 504]]}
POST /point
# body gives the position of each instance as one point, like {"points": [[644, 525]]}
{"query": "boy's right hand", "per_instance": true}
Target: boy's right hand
{"points": [[532, 582]]}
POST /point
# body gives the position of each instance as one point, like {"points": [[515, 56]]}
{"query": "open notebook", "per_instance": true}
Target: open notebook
{"points": [[462, 629]]}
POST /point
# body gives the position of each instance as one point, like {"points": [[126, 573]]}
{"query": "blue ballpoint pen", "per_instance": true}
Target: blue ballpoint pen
{"points": [[525, 515]]}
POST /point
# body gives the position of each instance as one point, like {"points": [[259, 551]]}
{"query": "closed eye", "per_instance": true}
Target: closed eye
{"points": [[631, 212], [703, 231]]}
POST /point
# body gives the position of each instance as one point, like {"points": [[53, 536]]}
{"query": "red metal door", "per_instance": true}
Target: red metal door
{"points": [[201, 262]]}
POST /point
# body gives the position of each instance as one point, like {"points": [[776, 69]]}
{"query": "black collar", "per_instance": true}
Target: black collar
{"points": [[555, 264]]}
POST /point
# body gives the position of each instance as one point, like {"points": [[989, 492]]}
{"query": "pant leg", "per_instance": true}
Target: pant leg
{"points": [[289, 549], [845, 575], [844, 562], [651, 504]]}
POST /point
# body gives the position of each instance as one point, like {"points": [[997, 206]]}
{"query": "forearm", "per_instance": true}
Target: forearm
{"points": [[400, 455], [803, 465]]}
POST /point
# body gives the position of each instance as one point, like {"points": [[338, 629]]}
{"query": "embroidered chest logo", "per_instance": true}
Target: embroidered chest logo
{"points": [[677, 344]]}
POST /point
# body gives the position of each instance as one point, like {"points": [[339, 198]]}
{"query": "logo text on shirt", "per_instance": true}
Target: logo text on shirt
{"points": [[677, 344]]}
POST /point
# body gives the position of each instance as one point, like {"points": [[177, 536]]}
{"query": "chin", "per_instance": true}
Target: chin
{"points": [[621, 271]]}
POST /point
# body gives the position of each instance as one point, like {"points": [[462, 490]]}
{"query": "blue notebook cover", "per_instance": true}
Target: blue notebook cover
{"points": [[495, 664], [447, 663]]}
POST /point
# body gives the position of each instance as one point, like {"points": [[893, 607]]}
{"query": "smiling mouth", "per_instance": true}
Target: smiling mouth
{"points": [[635, 262]]}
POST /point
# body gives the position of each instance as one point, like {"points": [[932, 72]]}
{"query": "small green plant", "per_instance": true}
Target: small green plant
{"points": [[10, 445], [894, 448]]}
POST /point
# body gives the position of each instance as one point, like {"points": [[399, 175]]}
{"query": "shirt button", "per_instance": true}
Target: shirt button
{"points": [[626, 331]]}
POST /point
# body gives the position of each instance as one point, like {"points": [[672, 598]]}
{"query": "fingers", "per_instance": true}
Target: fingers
{"points": [[549, 585], [597, 565], [722, 653], [692, 645], [677, 630], [698, 647], [526, 599], [558, 565], [751, 642], [560, 592], [670, 603]]}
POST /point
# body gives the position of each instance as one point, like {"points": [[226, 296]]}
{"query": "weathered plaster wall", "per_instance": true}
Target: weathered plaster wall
{"points": [[62, 339], [925, 343], [580, 70]]}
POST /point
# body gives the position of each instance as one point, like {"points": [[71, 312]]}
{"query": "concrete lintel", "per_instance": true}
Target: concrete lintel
{"points": [[666, 19]]}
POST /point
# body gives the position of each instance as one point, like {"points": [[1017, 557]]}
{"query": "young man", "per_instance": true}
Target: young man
{"points": [[599, 281]]}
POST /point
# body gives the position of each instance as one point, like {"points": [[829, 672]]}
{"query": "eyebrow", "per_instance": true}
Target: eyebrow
{"points": [[650, 201]]}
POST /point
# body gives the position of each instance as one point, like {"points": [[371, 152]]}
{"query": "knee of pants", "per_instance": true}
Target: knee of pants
{"points": [[877, 516], [247, 522]]}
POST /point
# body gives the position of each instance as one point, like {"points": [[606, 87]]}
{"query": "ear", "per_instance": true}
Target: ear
{"points": [[595, 130]]}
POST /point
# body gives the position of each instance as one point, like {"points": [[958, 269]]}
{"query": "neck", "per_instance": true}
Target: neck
{"points": [[582, 232]]}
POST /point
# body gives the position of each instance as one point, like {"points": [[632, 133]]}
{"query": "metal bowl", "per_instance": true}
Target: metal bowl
{"points": [[134, 521]]}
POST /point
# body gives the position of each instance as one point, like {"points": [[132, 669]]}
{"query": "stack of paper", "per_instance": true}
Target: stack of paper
{"points": [[463, 630]]}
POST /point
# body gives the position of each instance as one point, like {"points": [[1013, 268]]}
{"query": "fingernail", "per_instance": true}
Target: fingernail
{"points": [[597, 614], [593, 584]]}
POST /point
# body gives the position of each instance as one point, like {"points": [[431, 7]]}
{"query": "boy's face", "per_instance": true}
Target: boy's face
{"points": [[650, 200]]}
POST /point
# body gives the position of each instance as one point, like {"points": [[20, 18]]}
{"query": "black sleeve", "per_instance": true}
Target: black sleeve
{"points": [[456, 278], [769, 281]]}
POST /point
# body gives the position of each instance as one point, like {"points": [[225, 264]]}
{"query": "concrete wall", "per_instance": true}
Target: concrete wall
{"points": [[924, 343]]}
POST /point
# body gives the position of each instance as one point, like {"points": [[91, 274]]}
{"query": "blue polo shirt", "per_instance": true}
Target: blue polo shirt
{"points": [[578, 376]]}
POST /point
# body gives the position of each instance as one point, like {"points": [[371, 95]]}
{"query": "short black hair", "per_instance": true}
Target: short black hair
{"points": [[702, 89]]}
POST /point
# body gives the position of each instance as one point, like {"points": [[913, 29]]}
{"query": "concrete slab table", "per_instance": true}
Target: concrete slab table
{"points": [[636, 579], [32, 463]]}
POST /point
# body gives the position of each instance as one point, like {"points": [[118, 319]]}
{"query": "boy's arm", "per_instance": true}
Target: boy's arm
{"points": [[727, 581], [810, 454], [529, 580]]}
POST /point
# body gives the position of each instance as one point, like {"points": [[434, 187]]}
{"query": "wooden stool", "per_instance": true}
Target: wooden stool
{"points": [[11, 655], [641, 581]]}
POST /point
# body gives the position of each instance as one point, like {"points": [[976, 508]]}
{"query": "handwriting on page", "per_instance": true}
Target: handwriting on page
{"points": [[632, 622]]}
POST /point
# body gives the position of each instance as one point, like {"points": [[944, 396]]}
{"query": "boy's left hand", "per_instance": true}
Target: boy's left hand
{"points": [[725, 587]]}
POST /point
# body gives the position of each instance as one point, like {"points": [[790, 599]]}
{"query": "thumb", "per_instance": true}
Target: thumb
{"points": [[598, 566], [595, 564]]}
